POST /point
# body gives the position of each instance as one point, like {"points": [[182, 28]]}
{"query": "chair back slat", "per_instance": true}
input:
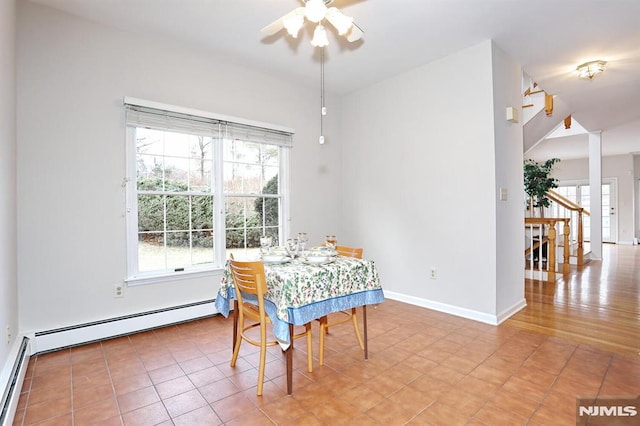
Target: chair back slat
{"points": [[249, 278], [350, 251]]}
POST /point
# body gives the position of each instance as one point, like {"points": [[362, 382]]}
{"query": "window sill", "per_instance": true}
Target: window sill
{"points": [[175, 276]]}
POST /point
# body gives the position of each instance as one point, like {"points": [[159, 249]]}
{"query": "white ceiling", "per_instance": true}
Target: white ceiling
{"points": [[549, 38]]}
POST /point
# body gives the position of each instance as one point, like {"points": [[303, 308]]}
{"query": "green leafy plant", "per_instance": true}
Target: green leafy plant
{"points": [[267, 208], [538, 180], [183, 212]]}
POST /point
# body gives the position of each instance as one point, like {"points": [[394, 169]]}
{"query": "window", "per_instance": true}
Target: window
{"points": [[198, 187]]}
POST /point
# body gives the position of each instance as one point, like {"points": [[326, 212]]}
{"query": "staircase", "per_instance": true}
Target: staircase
{"points": [[555, 240]]}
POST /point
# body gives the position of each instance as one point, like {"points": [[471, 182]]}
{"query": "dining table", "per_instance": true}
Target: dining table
{"points": [[299, 292]]}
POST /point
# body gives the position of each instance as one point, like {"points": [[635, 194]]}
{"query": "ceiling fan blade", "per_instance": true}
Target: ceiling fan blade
{"points": [[355, 33], [273, 27]]}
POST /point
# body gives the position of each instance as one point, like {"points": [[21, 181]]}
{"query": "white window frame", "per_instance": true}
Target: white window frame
{"points": [[134, 277]]}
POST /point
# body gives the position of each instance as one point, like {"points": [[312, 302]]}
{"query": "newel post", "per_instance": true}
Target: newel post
{"points": [[580, 240], [551, 262], [566, 230]]}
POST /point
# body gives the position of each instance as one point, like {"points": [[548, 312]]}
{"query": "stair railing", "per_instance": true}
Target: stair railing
{"points": [[564, 207], [542, 244]]}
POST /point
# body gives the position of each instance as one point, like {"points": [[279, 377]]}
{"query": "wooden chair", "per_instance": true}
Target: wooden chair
{"points": [[249, 278], [347, 315]]}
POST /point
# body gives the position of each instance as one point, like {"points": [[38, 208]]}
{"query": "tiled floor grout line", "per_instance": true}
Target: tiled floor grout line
{"points": [[555, 379], [113, 386], [604, 377], [502, 385], [71, 372]]}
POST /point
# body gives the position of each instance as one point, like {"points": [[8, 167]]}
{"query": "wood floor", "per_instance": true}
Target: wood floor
{"points": [[598, 304]]}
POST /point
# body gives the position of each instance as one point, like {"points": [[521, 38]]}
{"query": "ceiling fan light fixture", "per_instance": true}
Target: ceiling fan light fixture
{"points": [[320, 37], [342, 22], [315, 10], [588, 70], [293, 22]]}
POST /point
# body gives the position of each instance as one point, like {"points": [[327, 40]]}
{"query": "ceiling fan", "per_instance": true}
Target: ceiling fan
{"points": [[316, 11]]}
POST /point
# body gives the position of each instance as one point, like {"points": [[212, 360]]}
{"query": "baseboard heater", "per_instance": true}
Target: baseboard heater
{"points": [[14, 386], [50, 340]]}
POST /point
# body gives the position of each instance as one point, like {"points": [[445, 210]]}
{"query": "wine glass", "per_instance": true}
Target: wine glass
{"points": [[302, 240], [265, 244], [292, 247], [331, 241]]}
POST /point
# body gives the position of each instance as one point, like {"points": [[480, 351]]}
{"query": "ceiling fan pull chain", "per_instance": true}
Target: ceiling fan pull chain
{"points": [[323, 108]]}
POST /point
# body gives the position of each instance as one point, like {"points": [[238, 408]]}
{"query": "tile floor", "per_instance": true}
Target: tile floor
{"points": [[424, 368]]}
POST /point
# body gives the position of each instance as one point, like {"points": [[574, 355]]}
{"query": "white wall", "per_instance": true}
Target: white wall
{"points": [[419, 166], [618, 167], [72, 77], [8, 260], [507, 77]]}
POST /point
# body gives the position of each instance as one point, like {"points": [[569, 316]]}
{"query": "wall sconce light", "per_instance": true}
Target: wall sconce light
{"points": [[567, 122], [588, 70], [548, 104]]}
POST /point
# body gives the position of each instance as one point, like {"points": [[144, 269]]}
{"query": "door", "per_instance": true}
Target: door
{"points": [[609, 218]]}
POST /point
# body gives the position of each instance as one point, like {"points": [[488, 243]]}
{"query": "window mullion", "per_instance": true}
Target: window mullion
{"points": [[283, 191], [219, 201]]}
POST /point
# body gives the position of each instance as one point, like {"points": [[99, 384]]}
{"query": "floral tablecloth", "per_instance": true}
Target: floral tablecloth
{"points": [[298, 293]]}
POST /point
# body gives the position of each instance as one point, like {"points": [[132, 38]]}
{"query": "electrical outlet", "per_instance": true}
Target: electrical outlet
{"points": [[8, 334], [433, 273], [118, 290]]}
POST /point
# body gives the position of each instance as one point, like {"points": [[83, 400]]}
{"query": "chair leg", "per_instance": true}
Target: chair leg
{"points": [[238, 340], [263, 357], [309, 348], [354, 318], [323, 329], [326, 320]]}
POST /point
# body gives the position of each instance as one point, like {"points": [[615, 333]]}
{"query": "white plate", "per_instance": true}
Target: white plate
{"points": [[275, 258], [278, 262], [323, 251], [318, 260]]}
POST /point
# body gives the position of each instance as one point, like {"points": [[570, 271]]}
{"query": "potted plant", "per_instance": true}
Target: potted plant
{"points": [[537, 181]]}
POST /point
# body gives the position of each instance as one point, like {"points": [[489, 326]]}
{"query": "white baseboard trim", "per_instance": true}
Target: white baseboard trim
{"points": [[456, 310], [509, 312], [46, 341], [12, 378]]}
